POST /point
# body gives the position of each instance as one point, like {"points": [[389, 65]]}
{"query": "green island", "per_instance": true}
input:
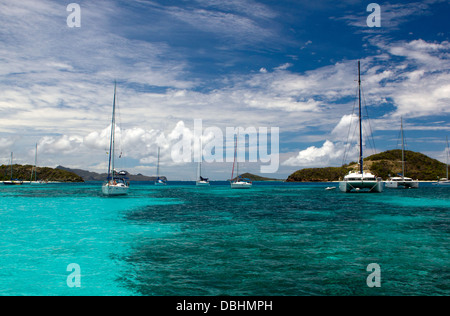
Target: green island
{"points": [[46, 174], [385, 164], [254, 177]]}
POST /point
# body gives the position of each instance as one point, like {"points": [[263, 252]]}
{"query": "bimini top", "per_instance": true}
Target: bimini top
{"points": [[240, 179]]}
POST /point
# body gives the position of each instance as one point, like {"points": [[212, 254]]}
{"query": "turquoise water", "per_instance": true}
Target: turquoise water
{"points": [[274, 239]]}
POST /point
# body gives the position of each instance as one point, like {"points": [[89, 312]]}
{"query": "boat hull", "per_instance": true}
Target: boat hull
{"points": [[443, 183], [241, 185], [113, 190], [13, 182], [202, 183], [361, 186], [402, 184]]}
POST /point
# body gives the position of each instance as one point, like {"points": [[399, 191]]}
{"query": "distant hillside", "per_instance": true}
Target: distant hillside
{"points": [[255, 177], [418, 166], [23, 172], [94, 176], [318, 174]]}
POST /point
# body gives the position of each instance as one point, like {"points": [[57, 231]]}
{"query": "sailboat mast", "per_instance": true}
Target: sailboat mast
{"points": [[33, 169], [448, 154], [11, 166], [360, 120], [201, 159], [157, 165], [403, 150], [35, 164], [235, 154], [111, 142]]}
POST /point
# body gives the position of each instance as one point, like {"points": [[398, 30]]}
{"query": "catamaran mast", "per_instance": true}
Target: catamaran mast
{"points": [[360, 121]]}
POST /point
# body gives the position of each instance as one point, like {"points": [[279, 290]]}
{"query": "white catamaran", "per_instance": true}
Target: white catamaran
{"points": [[401, 181], [445, 181], [361, 181], [116, 183]]}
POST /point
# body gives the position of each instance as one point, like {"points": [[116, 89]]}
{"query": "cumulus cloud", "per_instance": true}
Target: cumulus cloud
{"points": [[418, 85], [6, 144], [60, 145], [135, 143], [343, 145], [314, 156]]}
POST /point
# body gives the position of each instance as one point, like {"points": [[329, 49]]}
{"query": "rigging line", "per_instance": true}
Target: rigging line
{"points": [[121, 143], [120, 127], [347, 144], [355, 137], [370, 125]]}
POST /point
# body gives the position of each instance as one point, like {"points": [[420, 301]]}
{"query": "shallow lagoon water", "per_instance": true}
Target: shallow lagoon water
{"points": [[274, 239]]}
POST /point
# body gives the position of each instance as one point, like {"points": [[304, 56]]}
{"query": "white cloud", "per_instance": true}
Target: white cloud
{"points": [[327, 155], [344, 128], [238, 22], [60, 145], [418, 85], [5, 144]]}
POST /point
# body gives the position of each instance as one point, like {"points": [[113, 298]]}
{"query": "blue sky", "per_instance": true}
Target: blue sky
{"points": [[286, 64]]}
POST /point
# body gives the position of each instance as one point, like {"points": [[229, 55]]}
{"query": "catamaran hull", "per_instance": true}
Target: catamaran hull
{"points": [[443, 183], [112, 190], [361, 186], [402, 184]]}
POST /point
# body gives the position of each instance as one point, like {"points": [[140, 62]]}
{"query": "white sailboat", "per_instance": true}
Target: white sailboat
{"points": [[159, 180], [115, 184], [12, 181], [238, 182], [201, 182], [34, 171], [445, 181], [402, 181], [361, 181]]}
